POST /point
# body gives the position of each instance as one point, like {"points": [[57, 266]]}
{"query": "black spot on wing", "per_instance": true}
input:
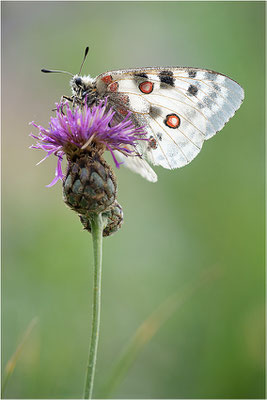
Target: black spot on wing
{"points": [[213, 95], [211, 76], [166, 78], [192, 73], [155, 111], [208, 102], [140, 75], [192, 90], [159, 136], [216, 87]]}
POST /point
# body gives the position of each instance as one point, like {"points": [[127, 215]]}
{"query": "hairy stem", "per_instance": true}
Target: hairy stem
{"points": [[97, 227]]}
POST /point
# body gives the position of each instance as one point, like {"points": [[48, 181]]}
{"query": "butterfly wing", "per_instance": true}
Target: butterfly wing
{"points": [[138, 165], [179, 108]]}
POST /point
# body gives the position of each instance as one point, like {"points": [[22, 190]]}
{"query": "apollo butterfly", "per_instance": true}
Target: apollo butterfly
{"points": [[179, 108]]}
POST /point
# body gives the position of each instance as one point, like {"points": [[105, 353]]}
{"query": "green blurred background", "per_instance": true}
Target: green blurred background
{"points": [[205, 218]]}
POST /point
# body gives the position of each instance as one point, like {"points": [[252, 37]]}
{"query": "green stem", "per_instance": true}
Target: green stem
{"points": [[97, 227]]}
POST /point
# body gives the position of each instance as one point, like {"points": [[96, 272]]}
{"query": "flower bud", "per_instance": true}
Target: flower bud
{"points": [[114, 218], [89, 185]]}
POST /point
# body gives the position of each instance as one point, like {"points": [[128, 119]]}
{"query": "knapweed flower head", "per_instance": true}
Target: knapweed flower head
{"points": [[84, 128]]}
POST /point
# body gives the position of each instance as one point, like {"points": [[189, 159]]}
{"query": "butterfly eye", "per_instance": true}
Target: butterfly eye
{"points": [[78, 81]]}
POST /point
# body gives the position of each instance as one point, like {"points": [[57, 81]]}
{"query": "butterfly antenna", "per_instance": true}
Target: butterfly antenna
{"points": [[49, 71], [84, 58]]}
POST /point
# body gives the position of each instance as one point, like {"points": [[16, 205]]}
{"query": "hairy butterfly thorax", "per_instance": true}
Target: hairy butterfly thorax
{"points": [[84, 87]]}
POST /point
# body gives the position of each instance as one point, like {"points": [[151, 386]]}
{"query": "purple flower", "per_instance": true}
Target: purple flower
{"points": [[77, 129]]}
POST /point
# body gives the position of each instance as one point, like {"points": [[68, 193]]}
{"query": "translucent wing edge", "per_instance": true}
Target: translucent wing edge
{"points": [[139, 166]]}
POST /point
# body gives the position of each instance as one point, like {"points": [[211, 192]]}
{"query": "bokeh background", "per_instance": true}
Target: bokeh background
{"points": [[199, 230]]}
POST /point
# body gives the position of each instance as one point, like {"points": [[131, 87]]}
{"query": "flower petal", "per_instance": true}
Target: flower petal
{"points": [[74, 129]]}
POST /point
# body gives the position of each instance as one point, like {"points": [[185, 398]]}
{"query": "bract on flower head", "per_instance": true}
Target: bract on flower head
{"points": [[71, 130]]}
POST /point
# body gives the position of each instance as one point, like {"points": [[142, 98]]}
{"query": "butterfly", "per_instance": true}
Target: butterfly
{"points": [[178, 107]]}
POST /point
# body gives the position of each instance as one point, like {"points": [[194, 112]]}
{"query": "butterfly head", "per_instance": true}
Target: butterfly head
{"points": [[81, 85]]}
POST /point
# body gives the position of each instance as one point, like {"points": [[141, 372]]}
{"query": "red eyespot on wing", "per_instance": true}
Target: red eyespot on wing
{"points": [[152, 144], [113, 87], [146, 87], [107, 79], [172, 121]]}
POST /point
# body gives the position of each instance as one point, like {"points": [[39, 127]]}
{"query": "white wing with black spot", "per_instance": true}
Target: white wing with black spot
{"points": [[179, 108]]}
